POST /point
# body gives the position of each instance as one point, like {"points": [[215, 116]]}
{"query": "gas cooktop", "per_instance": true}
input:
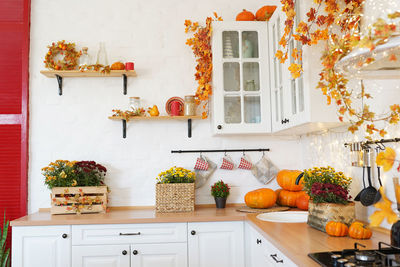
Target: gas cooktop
{"points": [[383, 256]]}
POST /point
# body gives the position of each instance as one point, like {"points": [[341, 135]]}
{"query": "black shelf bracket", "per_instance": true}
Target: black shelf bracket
{"points": [[189, 128], [59, 80], [124, 128], [125, 83]]}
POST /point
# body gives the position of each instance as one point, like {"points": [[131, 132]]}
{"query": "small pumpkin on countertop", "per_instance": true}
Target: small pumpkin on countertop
{"points": [[245, 16], [302, 201], [288, 198], [265, 13], [358, 230], [117, 66], [260, 198], [287, 180], [336, 229]]}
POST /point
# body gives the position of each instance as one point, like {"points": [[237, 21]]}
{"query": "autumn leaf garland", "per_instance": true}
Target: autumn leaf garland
{"points": [[344, 15]]}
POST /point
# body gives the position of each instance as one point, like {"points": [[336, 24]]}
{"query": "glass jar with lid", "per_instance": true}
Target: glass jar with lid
{"points": [[134, 102], [190, 106]]}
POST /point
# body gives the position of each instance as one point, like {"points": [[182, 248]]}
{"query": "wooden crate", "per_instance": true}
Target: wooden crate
{"points": [[319, 214], [76, 200]]}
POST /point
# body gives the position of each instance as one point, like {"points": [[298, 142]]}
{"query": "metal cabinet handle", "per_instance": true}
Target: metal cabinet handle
{"points": [[274, 256], [193, 232], [124, 252], [64, 236], [258, 241], [138, 233], [135, 252], [219, 127]]}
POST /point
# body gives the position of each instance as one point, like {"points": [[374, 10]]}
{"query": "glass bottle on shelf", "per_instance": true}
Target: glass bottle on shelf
{"points": [[134, 102], [84, 59], [190, 106], [102, 55]]}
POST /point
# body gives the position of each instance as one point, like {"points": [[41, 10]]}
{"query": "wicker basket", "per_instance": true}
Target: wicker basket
{"points": [[73, 200], [175, 197], [319, 214]]}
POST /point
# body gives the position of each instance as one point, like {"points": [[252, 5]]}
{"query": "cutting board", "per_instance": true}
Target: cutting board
{"points": [[250, 210]]}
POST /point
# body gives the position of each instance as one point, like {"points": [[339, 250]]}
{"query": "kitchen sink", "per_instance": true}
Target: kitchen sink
{"points": [[284, 216]]}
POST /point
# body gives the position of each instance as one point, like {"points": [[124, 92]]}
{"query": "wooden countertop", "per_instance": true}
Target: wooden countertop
{"points": [[295, 240]]}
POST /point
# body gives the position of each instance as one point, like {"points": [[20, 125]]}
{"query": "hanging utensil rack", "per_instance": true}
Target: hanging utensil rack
{"points": [[373, 142], [221, 150]]}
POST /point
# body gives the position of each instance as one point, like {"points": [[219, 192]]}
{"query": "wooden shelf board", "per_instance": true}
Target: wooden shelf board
{"points": [[91, 73], [138, 118]]}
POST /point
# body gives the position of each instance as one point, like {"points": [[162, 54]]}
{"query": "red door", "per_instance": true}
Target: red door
{"points": [[14, 55]]}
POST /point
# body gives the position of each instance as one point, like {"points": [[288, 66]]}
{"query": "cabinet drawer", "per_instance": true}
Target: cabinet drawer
{"points": [[129, 233]]}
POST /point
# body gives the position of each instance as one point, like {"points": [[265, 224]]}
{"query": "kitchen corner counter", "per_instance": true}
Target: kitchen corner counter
{"points": [[137, 215], [296, 240]]}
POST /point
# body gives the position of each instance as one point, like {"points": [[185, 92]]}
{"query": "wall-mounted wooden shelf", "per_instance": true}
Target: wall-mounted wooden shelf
{"points": [[158, 118], [60, 74]]}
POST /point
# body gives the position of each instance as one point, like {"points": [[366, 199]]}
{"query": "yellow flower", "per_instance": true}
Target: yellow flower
{"points": [[74, 183], [63, 175], [386, 159]]}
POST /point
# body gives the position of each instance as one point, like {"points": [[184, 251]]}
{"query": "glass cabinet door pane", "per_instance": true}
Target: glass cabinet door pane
{"points": [[230, 44], [231, 76], [252, 109], [232, 109], [251, 76], [249, 44]]}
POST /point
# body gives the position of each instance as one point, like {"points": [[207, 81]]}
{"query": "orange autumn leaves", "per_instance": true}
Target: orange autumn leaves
{"points": [[316, 27], [201, 47], [386, 159]]}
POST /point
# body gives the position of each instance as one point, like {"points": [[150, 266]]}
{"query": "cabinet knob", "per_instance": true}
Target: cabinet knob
{"points": [[282, 121], [274, 256], [135, 252], [258, 241], [219, 127], [193, 232], [124, 252], [64, 236], [286, 120]]}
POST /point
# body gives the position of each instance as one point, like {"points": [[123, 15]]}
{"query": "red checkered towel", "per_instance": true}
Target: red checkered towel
{"points": [[245, 164]]}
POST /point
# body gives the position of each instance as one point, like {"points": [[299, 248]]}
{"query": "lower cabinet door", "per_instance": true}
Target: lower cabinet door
{"points": [[159, 255], [101, 256], [216, 244], [41, 246]]}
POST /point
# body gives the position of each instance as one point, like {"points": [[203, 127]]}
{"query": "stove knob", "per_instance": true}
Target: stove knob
{"points": [[349, 264], [342, 262]]}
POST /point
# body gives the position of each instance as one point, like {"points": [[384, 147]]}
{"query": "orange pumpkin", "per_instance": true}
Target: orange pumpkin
{"points": [[336, 229], [245, 16], [265, 13], [261, 198], [302, 201], [288, 198], [358, 230], [287, 178], [118, 66]]}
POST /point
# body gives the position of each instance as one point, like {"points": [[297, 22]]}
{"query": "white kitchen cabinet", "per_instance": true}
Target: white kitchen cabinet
{"points": [[41, 246], [216, 244], [160, 255], [297, 107], [101, 256], [241, 94]]}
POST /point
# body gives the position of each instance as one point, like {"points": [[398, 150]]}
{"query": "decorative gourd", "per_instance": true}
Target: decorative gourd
{"points": [[288, 198], [302, 201], [118, 66], [358, 230], [265, 13], [287, 178], [245, 16], [336, 229], [261, 198]]}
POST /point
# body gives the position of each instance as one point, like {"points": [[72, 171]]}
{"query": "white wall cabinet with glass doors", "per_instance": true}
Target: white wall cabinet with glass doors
{"points": [[296, 106], [240, 100]]}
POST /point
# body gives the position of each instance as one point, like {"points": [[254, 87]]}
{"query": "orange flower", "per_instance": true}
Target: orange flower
{"points": [[386, 159]]}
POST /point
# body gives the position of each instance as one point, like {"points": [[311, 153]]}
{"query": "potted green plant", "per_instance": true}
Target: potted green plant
{"points": [[77, 186], [4, 251], [329, 197], [175, 190], [220, 192]]}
